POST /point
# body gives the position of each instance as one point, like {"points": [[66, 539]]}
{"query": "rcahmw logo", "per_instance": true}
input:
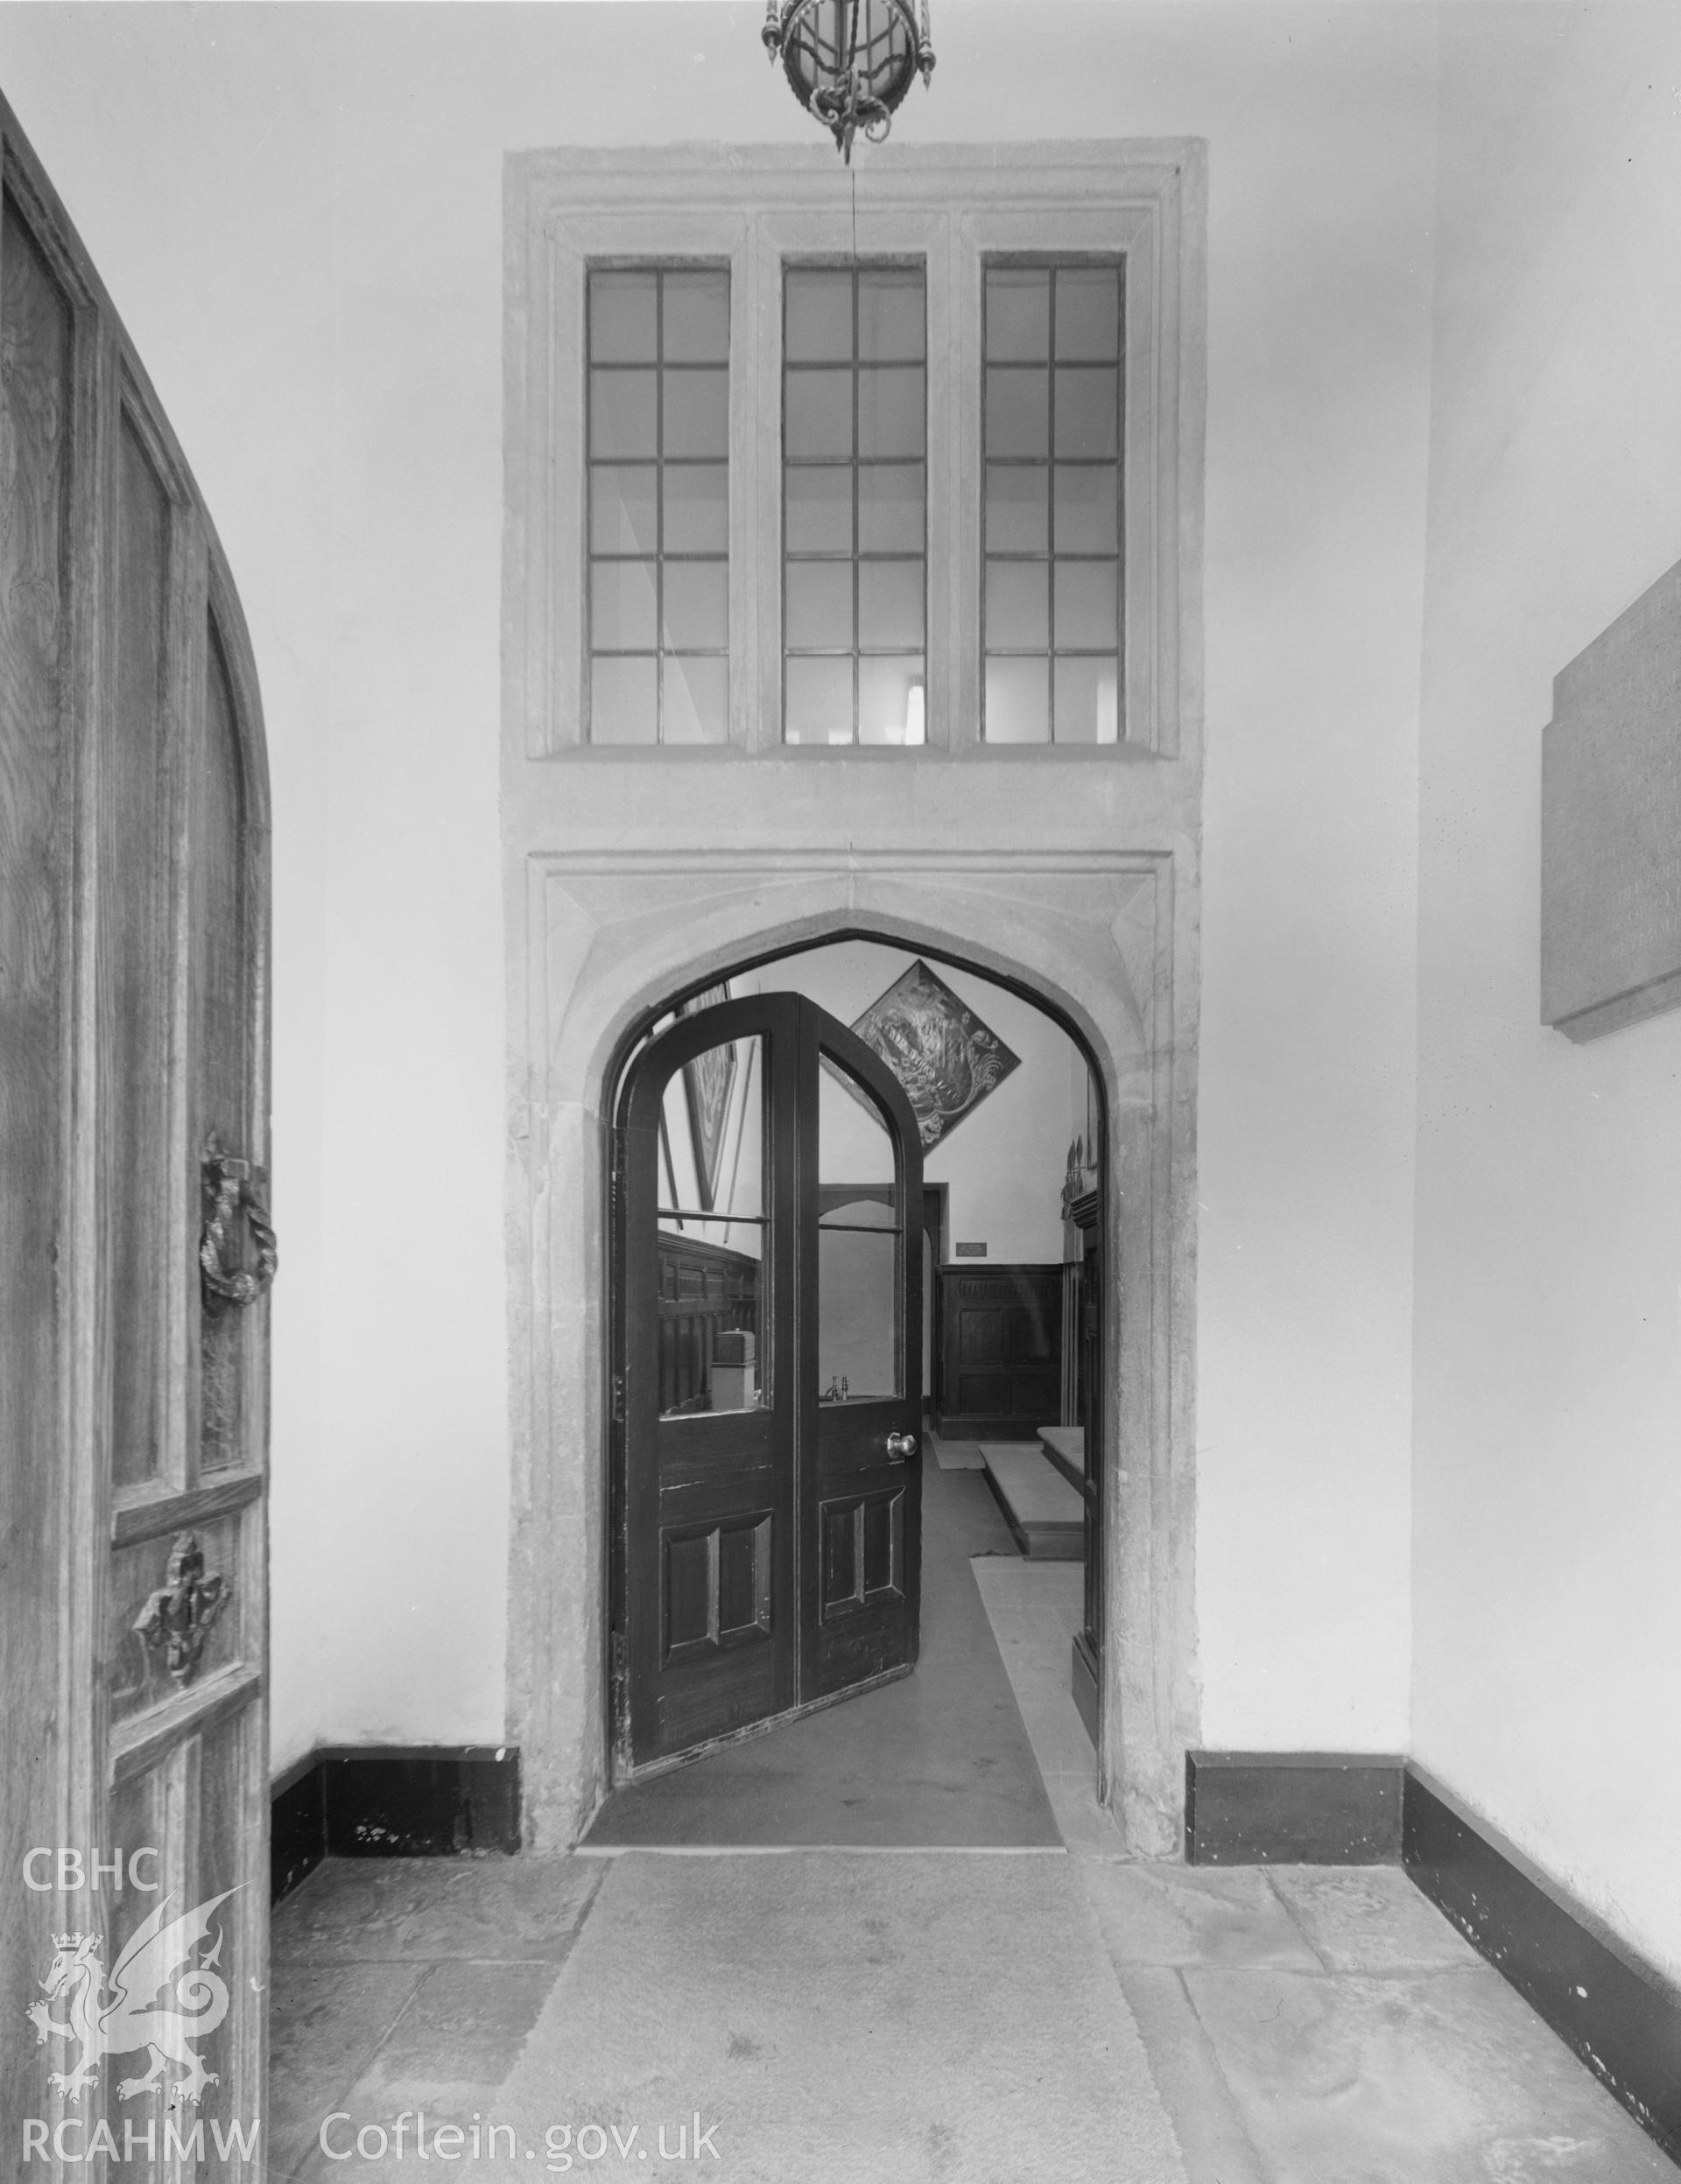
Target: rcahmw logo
{"points": [[158, 1997]]}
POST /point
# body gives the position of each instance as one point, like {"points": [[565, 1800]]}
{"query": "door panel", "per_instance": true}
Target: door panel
{"points": [[133, 950], [134, 937], [769, 1548]]}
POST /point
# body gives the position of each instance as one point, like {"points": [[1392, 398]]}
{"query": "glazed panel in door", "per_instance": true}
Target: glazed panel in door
{"points": [[133, 1319], [862, 1232], [707, 1200]]}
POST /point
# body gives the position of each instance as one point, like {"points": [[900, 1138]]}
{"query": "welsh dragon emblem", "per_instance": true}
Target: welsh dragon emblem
{"points": [[138, 2012]]}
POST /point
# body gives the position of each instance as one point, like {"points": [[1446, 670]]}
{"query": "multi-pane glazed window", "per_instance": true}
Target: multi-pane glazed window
{"points": [[659, 493], [854, 506], [1052, 425]]}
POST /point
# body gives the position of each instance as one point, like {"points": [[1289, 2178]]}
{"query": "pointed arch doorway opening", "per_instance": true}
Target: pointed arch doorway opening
{"points": [[769, 1267]]}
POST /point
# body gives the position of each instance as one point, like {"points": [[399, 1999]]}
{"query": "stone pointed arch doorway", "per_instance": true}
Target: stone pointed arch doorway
{"points": [[606, 942]]}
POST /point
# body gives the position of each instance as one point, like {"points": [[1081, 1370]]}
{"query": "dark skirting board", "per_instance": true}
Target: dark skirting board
{"points": [[411, 1801], [1617, 2013], [1292, 1808]]}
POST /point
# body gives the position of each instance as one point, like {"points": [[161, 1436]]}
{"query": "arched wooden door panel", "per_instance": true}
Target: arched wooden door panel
{"points": [[768, 1376], [133, 1199]]}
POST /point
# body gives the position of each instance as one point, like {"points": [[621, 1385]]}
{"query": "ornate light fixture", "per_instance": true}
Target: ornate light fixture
{"points": [[850, 61]]}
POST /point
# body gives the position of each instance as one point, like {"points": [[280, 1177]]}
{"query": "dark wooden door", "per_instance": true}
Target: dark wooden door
{"points": [[138, 1253], [767, 1386]]}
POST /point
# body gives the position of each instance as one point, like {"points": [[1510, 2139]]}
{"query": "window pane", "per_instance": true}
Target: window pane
{"points": [[1016, 508], [854, 530], [711, 1334], [623, 317], [1017, 606], [697, 317], [1086, 605], [1018, 314], [622, 413], [710, 1234], [697, 507], [1088, 313], [817, 314], [820, 512], [819, 706], [1087, 407], [1086, 712], [889, 314], [817, 414], [697, 700], [1088, 498], [1018, 412], [621, 615], [890, 518], [857, 1323], [890, 699], [858, 1254], [891, 411], [890, 605], [658, 503], [622, 509], [697, 412], [820, 608], [624, 701], [697, 606], [1018, 708]]}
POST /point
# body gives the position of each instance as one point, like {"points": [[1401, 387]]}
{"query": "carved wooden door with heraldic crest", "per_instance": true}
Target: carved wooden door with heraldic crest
{"points": [[135, 1263]]}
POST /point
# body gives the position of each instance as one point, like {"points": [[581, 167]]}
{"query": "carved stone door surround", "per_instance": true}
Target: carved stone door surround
{"points": [[602, 940]]}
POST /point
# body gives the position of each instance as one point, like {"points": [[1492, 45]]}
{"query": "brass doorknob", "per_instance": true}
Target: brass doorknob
{"points": [[899, 1445]]}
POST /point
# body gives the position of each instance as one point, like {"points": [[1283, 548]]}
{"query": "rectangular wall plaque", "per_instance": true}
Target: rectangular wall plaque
{"points": [[968, 1251], [1611, 824]]}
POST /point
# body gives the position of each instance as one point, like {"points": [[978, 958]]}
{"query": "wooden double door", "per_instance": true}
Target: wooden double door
{"points": [[768, 1376], [135, 1256]]}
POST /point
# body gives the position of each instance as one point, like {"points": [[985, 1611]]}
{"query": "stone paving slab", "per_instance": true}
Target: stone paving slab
{"points": [[1440, 2077]]}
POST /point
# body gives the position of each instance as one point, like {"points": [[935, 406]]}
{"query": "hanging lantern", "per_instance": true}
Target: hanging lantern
{"points": [[850, 61]]}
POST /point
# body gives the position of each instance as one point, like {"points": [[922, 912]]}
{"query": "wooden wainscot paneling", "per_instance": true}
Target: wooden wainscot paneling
{"points": [[998, 1362]]}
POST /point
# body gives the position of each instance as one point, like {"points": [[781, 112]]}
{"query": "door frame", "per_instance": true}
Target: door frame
{"points": [[1105, 939]]}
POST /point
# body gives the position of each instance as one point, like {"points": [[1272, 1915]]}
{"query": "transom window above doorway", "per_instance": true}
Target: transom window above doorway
{"points": [[788, 479], [658, 340], [1051, 433], [855, 503]]}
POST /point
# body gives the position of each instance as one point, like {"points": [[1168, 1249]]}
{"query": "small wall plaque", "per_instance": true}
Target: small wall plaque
{"points": [[1611, 824], [968, 1251]]}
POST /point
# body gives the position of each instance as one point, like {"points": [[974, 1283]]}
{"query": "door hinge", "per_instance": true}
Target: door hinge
{"points": [[618, 1399]]}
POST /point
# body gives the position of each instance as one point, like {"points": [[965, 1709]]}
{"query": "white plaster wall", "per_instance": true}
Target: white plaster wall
{"points": [[298, 211], [1320, 182], [1548, 1497]]}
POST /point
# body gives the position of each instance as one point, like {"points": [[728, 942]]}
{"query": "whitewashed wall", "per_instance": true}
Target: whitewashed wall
{"points": [[1547, 1616]]}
